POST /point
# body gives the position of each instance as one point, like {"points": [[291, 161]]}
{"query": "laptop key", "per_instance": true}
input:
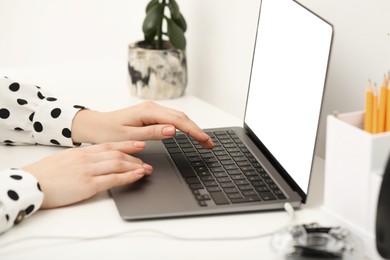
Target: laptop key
{"points": [[223, 179], [183, 165], [219, 198], [169, 141], [192, 180], [234, 196], [174, 150], [210, 183], [202, 203], [245, 187], [196, 186], [231, 190], [238, 177], [267, 195], [227, 185], [246, 199], [213, 188], [262, 188], [248, 193], [207, 178], [202, 197], [279, 194]]}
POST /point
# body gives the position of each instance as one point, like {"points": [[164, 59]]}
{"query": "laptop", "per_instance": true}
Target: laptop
{"points": [[267, 161]]}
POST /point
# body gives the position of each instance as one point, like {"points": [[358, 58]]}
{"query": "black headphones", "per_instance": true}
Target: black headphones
{"points": [[382, 230]]}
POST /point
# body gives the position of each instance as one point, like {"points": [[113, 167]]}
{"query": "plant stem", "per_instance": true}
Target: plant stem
{"points": [[160, 32]]}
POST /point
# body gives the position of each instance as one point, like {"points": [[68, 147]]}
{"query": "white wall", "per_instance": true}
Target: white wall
{"points": [[361, 50], [51, 31], [220, 41]]}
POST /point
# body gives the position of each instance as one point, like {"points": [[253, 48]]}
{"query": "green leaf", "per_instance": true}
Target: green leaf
{"points": [[176, 35], [153, 20], [174, 8], [151, 4], [181, 22]]}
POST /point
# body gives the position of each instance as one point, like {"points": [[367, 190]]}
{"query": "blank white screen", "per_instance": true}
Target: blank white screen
{"points": [[287, 81]]}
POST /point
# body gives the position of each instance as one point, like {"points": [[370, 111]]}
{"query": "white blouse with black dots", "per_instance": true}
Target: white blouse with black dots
{"points": [[28, 115]]}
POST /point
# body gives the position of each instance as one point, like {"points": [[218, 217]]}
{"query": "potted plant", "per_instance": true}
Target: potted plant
{"points": [[157, 65]]}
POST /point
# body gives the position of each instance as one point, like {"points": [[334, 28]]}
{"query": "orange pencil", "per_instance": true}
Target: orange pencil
{"points": [[368, 109], [387, 128], [382, 106], [374, 111]]}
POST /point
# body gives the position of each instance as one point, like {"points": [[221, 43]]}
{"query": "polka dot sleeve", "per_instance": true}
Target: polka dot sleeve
{"points": [[29, 115], [20, 197]]}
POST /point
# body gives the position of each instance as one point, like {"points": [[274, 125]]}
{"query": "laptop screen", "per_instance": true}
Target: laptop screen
{"points": [[287, 82]]}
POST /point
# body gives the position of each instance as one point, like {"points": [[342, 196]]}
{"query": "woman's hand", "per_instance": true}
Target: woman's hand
{"points": [[77, 174], [145, 121]]}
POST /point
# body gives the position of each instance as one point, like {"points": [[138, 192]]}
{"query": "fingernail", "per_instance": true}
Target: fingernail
{"points": [[208, 139], [169, 131], [139, 144], [148, 168]]}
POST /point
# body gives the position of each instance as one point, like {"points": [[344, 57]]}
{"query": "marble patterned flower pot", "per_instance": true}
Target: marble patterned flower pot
{"points": [[156, 74]]}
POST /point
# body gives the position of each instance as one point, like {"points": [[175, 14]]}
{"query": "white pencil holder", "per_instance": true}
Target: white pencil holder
{"points": [[354, 165]]}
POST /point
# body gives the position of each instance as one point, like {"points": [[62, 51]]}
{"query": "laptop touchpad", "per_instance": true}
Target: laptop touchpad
{"points": [[163, 168], [162, 191]]}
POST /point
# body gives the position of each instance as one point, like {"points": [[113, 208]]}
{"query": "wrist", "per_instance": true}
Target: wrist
{"points": [[84, 126]]}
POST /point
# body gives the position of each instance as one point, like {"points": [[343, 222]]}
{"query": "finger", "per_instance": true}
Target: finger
{"points": [[127, 147], [203, 139], [112, 155], [183, 123], [105, 182], [159, 132], [157, 114], [152, 132], [117, 166]]}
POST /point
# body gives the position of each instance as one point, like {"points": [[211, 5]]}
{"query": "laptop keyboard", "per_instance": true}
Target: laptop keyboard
{"points": [[227, 174]]}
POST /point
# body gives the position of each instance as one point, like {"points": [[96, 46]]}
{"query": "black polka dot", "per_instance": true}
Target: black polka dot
{"points": [[14, 87], [7, 217], [8, 142], [21, 101], [66, 133], [16, 177], [31, 117], [51, 99], [18, 129], [40, 96], [4, 113], [56, 112], [39, 186], [38, 87], [38, 127], [79, 107], [53, 141], [13, 195], [29, 209]]}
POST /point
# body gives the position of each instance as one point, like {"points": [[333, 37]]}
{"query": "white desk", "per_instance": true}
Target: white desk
{"points": [[102, 86]]}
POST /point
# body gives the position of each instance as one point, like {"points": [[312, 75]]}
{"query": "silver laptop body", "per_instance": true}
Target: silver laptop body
{"points": [[279, 131]]}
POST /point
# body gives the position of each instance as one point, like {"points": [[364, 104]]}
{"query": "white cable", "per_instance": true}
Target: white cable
{"points": [[287, 206]]}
